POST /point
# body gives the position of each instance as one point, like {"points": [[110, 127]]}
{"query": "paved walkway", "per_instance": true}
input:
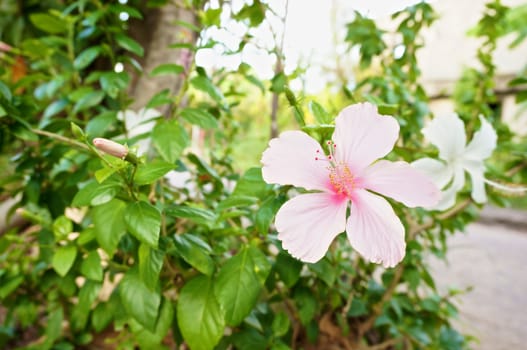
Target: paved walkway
{"points": [[491, 257]]}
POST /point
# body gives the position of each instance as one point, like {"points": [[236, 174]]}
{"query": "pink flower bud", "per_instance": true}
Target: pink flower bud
{"points": [[5, 47], [110, 147]]}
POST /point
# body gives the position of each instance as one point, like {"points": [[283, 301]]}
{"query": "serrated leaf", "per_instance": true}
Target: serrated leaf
{"points": [[151, 172], [170, 139], [143, 221], [63, 259], [86, 57], [239, 283], [199, 316], [167, 68], [320, 113], [195, 252], [199, 117], [139, 301], [150, 264], [109, 224]]}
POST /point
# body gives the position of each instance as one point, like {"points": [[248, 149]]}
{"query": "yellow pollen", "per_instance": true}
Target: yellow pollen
{"points": [[342, 179]]}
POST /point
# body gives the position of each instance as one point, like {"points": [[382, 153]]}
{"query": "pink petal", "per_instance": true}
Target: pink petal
{"points": [[374, 230], [362, 135], [307, 224], [401, 182], [290, 160]]}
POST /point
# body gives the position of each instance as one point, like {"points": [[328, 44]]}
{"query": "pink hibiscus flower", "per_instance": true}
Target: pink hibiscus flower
{"points": [[308, 223]]}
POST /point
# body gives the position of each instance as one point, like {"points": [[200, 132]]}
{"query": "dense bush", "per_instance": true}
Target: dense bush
{"points": [[173, 242]]}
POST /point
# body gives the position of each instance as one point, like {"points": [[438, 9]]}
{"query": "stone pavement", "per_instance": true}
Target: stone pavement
{"points": [[492, 258]]}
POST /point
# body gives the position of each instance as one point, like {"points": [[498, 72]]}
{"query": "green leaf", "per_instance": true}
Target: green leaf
{"points": [[320, 113], [168, 68], [63, 259], [55, 107], [139, 301], [149, 173], [278, 83], [266, 213], [159, 99], [195, 252], [281, 324], [109, 224], [112, 83], [150, 264], [357, 308], [170, 139], [236, 201], [87, 295], [143, 221], [387, 109], [306, 304], [53, 328], [325, 271], [62, 227], [91, 266], [88, 100], [199, 315], [151, 340], [204, 84], [251, 184], [9, 287], [129, 44], [199, 117], [95, 194], [4, 90], [198, 215], [48, 23], [86, 57], [239, 283], [288, 268]]}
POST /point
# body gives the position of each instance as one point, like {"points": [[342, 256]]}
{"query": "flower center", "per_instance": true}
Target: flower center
{"points": [[342, 179], [340, 175]]}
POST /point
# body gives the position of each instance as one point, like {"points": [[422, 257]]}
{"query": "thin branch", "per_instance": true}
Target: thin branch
{"points": [[61, 138]]}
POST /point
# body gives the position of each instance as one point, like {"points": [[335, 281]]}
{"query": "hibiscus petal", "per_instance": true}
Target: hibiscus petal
{"points": [[401, 182], [362, 135], [483, 143], [476, 170], [447, 133], [374, 230], [290, 160], [439, 172], [448, 197], [307, 224]]}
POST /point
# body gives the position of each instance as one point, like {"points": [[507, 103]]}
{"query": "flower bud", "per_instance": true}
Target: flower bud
{"points": [[5, 47], [110, 147]]}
